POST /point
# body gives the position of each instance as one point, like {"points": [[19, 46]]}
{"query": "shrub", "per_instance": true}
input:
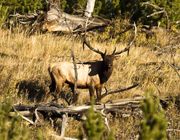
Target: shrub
{"points": [[94, 127], [11, 128], [153, 126], [19, 6]]}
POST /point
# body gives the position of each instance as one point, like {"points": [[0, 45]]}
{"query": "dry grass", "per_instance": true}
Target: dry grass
{"points": [[24, 76]]}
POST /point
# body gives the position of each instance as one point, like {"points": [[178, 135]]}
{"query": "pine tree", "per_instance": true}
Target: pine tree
{"points": [[153, 126], [11, 128], [94, 125]]}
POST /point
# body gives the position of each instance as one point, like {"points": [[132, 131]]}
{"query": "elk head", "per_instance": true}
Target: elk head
{"points": [[107, 61]]}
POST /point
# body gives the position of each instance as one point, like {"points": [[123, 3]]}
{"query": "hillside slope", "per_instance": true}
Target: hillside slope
{"points": [[152, 62]]}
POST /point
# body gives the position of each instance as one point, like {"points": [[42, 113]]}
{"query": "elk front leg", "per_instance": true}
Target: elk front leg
{"points": [[91, 92], [75, 94], [98, 93]]}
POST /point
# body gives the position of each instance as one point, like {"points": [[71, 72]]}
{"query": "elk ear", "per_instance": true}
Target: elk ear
{"points": [[103, 54]]}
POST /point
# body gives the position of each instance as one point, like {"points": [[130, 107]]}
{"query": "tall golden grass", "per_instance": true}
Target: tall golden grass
{"points": [[152, 63]]}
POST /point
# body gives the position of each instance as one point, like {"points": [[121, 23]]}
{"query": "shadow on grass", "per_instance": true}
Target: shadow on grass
{"points": [[69, 97], [33, 90]]}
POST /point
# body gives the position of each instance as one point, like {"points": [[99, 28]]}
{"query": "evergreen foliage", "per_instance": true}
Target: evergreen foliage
{"points": [[22, 6], [137, 11], [153, 126], [134, 10], [19, 6], [94, 125], [3, 14], [11, 128]]}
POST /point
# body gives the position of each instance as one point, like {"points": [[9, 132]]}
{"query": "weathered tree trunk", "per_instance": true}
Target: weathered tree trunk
{"points": [[56, 109], [89, 8], [57, 20]]}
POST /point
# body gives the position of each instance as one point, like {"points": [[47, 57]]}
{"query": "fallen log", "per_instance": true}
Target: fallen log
{"points": [[125, 107], [24, 113], [58, 109], [57, 20]]}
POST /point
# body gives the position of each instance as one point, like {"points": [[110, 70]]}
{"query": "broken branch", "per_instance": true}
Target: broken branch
{"points": [[117, 90], [64, 124], [23, 117]]}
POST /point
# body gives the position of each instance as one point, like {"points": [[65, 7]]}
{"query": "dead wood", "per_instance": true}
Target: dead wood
{"points": [[117, 90], [23, 107], [73, 110], [24, 113], [57, 137], [54, 19], [59, 110], [34, 21], [160, 10], [174, 68], [57, 20], [64, 124], [122, 107], [23, 117], [75, 72], [53, 110]]}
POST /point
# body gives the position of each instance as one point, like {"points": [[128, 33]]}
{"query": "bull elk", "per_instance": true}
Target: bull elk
{"points": [[90, 75]]}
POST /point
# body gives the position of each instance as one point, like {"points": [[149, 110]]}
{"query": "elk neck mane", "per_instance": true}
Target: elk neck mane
{"points": [[105, 74], [102, 69]]}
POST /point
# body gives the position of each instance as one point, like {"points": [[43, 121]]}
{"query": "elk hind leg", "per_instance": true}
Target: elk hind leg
{"points": [[98, 93], [52, 86], [91, 92], [59, 83]]}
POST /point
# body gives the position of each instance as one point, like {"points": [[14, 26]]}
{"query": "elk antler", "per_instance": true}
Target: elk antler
{"points": [[129, 45], [85, 42], [114, 51], [119, 52]]}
